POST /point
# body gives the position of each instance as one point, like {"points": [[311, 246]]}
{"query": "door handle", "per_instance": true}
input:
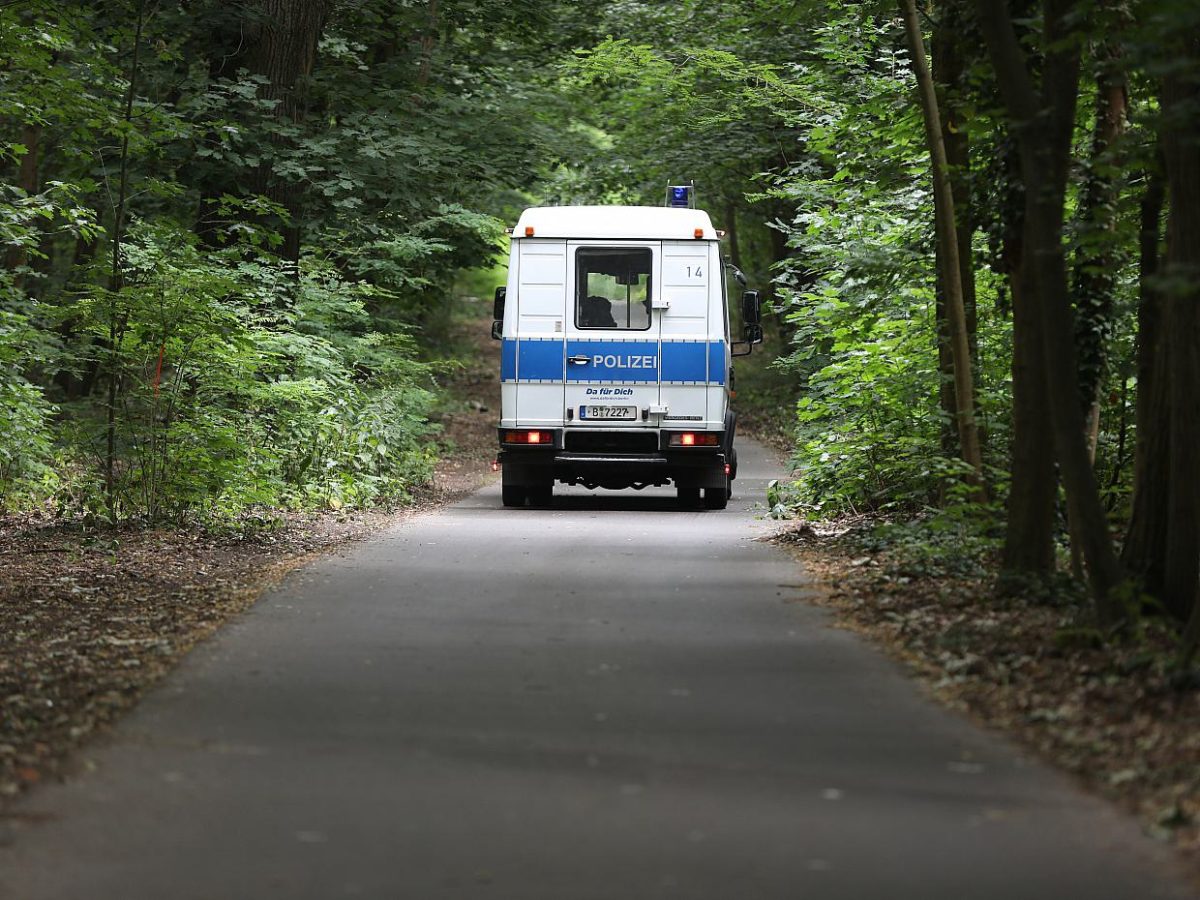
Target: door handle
{"points": [[579, 360]]}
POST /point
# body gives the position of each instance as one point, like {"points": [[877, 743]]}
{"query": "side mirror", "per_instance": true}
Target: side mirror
{"points": [[497, 329], [751, 308]]}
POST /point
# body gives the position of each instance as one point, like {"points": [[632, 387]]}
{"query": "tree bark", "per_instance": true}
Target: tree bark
{"points": [[1181, 151], [948, 64], [1043, 122], [1146, 539], [282, 47], [1029, 533], [1094, 267], [964, 389], [1033, 489]]}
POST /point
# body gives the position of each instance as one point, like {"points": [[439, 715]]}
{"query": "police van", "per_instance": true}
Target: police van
{"points": [[615, 362]]}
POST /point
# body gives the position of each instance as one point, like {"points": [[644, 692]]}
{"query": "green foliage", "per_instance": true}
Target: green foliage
{"points": [[242, 385], [26, 449], [959, 540], [156, 350]]}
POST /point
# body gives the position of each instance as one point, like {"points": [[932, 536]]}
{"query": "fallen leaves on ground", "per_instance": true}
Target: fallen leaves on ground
{"points": [[1119, 716], [90, 618]]}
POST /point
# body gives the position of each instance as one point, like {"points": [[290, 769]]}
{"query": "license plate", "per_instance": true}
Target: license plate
{"points": [[595, 412]]}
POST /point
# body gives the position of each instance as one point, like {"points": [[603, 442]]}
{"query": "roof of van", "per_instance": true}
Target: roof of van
{"points": [[632, 222]]}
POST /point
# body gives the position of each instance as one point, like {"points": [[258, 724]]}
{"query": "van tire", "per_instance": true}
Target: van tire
{"points": [[688, 496], [716, 498], [512, 495], [542, 495]]}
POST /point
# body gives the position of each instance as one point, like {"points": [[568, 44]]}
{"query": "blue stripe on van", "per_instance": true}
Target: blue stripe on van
{"points": [[540, 359], [684, 361], [716, 362], [508, 360], [609, 361]]}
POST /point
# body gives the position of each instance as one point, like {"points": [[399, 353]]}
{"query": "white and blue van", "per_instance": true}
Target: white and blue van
{"points": [[615, 362]]}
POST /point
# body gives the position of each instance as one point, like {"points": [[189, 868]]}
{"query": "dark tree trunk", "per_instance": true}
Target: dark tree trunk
{"points": [[1181, 150], [948, 46], [1146, 541], [1096, 261], [277, 39], [428, 44], [964, 389], [1044, 121], [1095, 265], [1029, 533]]}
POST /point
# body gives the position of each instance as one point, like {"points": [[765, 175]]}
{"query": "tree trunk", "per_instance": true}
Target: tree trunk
{"points": [[1146, 540], [428, 43], [1181, 150], [964, 389], [948, 71], [1029, 533], [1033, 489], [282, 47], [1096, 262], [1044, 123]]}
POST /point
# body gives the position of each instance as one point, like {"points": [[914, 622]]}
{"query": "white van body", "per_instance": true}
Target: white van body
{"points": [[616, 353]]}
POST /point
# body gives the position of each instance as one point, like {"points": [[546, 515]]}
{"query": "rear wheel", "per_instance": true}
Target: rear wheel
{"points": [[542, 495], [512, 494], [688, 496], [716, 498]]}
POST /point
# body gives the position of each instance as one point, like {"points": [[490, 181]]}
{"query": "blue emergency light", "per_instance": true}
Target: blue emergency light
{"points": [[679, 196]]}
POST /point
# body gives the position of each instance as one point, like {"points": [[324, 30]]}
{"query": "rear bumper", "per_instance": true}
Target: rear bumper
{"points": [[698, 468]]}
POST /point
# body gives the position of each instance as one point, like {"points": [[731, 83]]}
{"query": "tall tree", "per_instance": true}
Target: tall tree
{"points": [[1181, 151], [950, 52], [1096, 261], [948, 246], [277, 41], [1146, 538], [1043, 119]]}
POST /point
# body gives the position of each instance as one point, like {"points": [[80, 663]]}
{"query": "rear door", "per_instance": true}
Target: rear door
{"points": [[686, 330], [612, 334]]}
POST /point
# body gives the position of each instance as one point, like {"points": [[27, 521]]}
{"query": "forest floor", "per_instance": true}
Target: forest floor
{"points": [[1122, 719], [90, 618]]}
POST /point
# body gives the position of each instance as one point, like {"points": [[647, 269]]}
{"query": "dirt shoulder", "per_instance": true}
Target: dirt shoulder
{"points": [[1121, 719], [91, 619]]}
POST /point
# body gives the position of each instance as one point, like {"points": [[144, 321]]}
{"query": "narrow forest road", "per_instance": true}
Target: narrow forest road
{"points": [[612, 699]]}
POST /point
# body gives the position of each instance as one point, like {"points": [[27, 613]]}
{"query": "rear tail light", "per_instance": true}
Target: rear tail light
{"points": [[695, 439], [528, 437]]}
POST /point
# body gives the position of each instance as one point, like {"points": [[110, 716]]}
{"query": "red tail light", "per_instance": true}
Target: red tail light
{"points": [[695, 439], [529, 437]]}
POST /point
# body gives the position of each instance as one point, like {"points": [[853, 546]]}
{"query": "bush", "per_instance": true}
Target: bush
{"points": [[241, 383]]}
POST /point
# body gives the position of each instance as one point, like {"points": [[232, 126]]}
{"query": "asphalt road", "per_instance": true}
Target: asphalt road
{"points": [[612, 699]]}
